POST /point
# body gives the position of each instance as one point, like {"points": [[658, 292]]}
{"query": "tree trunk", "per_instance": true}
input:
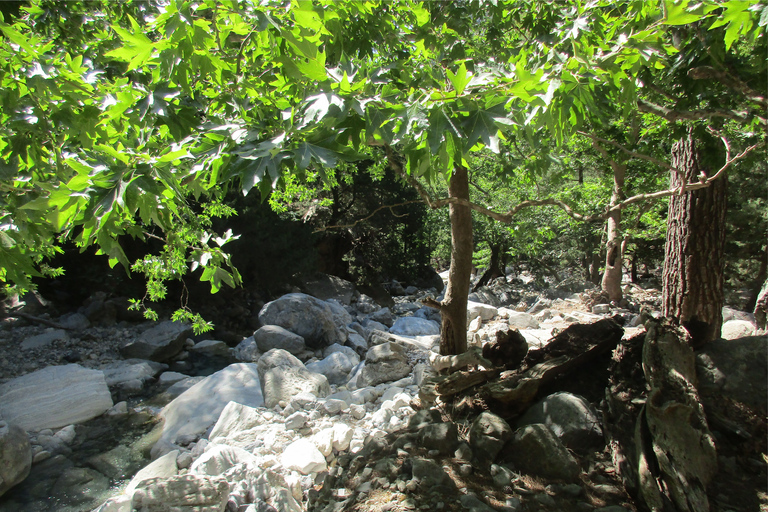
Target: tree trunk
{"points": [[494, 267], [692, 290], [454, 306], [614, 257]]}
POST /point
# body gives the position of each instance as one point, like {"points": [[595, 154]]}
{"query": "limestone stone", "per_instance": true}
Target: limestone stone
{"points": [[570, 417], [324, 286], [54, 397], [182, 493], [384, 363], [161, 467], [192, 412], [522, 320], [211, 348], [220, 458], [536, 450], [414, 326], [734, 329], [307, 316], [15, 456], [159, 343], [274, 336], [335, 366], [484, 311], [487, 437], [247, 351], [303, 456], [283, 376], [234, 418], [44, 339]]}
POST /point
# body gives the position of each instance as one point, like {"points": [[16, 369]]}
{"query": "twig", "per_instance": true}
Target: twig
{"points": [[37, 319], [635, 154], [374, 212]]}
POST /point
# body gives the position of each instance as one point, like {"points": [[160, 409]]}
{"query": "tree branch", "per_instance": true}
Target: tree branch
{"points": [[374, 212], [710, 73], [634, 154], [695, 115]]}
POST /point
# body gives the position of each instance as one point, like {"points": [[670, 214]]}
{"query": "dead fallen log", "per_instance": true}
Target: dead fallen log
{"points": [[676, 451], [571, 348]]}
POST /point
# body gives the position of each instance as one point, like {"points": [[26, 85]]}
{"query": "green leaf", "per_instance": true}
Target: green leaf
{"points": [[305, 152], [678, 13], [460, 79], [16, 37]]}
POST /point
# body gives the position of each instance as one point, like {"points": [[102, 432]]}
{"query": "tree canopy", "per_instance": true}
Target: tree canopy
{"points": [[135, 118]]}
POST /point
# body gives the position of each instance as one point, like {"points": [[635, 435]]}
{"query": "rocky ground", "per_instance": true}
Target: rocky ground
{"points": [[330, 415]]}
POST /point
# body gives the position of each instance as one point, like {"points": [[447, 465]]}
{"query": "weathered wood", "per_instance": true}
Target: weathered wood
{"points": [[571, 348], [682, 458], [460, 381], [472, 357]]}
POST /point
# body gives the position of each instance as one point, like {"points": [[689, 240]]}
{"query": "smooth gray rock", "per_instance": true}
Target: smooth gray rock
{"points": [[414, 326], [235, 418], [182, 493], [487, 437], [123, 372], [15, 456], [303, 456], [162, 467], [211, 348], [54, 397], [428, 474], [535, 449], [443, 437], [737, 369], [522, 320], [75, 321], [44, 339], [336, 366], [571, 417], [274, 336], [307, 316], [384, 363], [159, 343], [472, 503], [383, 316], [282, 376], [484, 311], [220, 458], [357, 343], [247, 351], [199, 407], [324, 286]]}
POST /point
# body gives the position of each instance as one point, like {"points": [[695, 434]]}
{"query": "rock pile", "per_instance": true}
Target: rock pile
{"points": [[318, 410]]}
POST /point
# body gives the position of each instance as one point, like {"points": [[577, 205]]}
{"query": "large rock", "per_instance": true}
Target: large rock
{"points": [[336, 366], [484, 311], [536, 450], [159, 343], [45, 339], [54, 397], [303, 456], [324, 286], [163, 467], [734, 329], [737, 369], [274, 336], [235, 418], [414, 326], [384, 363], [522, 320], [182, 493], [220, 458], [15, 456], [199, 407], [570, 417], [487, 437], [307, 316], [282, 376]]}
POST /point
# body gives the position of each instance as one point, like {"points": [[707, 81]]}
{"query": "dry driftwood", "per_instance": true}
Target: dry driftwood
{"points": [[676, 450], [576, 345]]}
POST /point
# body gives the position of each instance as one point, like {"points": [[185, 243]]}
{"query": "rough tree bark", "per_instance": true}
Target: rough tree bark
{"points": [[692, 290], [454, 306], [614, 257], [494, 267]]}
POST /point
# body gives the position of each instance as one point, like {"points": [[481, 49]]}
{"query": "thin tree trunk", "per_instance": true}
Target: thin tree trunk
{"points": [[614, 257], [495, 269], [694, 260], [454, 306]]}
